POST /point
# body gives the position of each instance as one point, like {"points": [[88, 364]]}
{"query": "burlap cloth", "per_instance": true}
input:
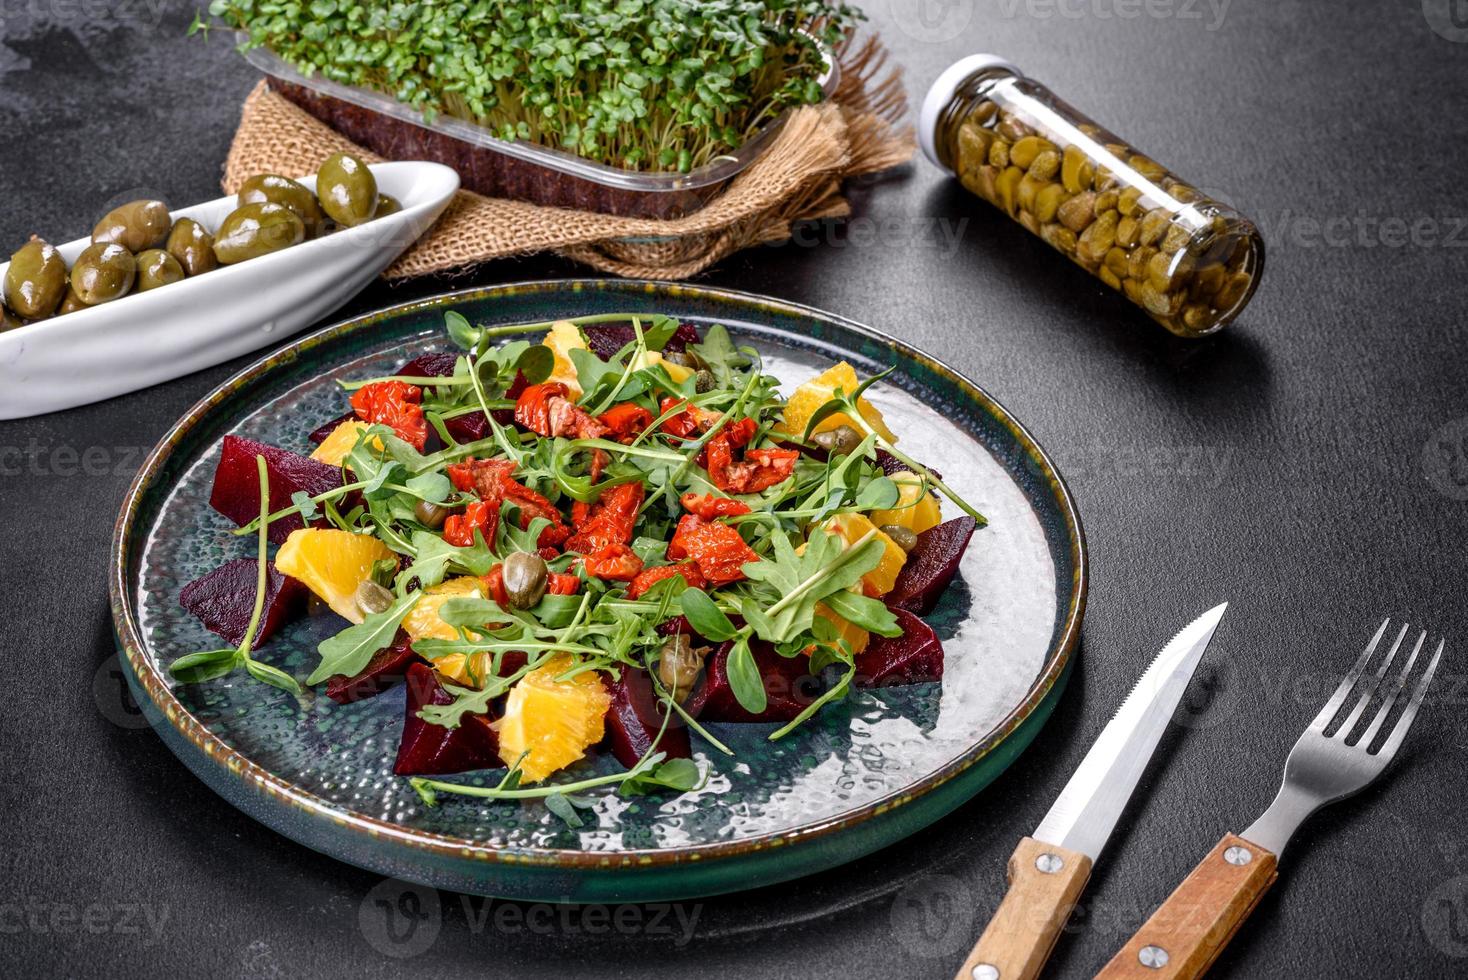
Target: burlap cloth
{"points": [[798, 179]]}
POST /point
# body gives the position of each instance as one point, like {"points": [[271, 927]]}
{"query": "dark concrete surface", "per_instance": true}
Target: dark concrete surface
{"points": [[1308, 465]]}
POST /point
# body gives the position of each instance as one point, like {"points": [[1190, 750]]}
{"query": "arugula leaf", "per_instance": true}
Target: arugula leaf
{"points": [[349, 651], [432, 487], [719, 353], [305, 504], [704, 615], [789, 586], [661, 331], [564, 807], [859, 610], [878, 494]]}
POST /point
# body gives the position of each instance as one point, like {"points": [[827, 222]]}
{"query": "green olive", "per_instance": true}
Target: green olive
{"points": [[679, 663], [103, 272], [839, 441], [275, 189], [430, 515], [136, 226], [257, 229], [386, 205], [71, 303], [525, 578], [347, 190], [704, 381], [904, 537], [192, 246], [35, 282], [157, 268], [372, 598], [8, 320]]}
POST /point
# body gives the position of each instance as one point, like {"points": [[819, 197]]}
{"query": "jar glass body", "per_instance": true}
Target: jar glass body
{"points": [[1190, 261]]}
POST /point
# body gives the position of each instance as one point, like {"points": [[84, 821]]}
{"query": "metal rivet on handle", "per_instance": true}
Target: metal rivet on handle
{"points": [[986, 971], [1238, 855], [1153, 957], [1049, 863]]}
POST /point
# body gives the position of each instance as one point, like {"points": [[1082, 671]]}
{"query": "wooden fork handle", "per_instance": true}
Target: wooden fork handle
{"points": [[1186, 934], [1044, 883]]}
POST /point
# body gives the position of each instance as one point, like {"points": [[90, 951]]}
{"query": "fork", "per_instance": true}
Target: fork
{"points": [[1186, 934]]}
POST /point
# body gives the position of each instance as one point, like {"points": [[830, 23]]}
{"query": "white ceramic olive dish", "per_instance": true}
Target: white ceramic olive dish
{"points": [[146, 338]]}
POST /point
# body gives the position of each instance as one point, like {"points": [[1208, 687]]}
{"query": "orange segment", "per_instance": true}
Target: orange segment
{"points": [[854, 527], [423, 622], [458, 668], [809, 397], [917, 506], [562, 338], [555, 721], [343, 438], [854, 635], [332, 563]]}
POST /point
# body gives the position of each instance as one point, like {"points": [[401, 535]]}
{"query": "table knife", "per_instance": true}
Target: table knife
{"points": [[1049, 870]]}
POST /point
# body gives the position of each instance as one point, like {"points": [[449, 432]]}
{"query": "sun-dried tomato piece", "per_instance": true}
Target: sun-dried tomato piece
{"points": [[708, 507], [458, 529], [609, 521], [546, 410], [494, 584], [718, 550], [394, 404], [626, 420], [616, 562], [562, 583], [491, 479], [599, 460], [761, 469], [649, 577]]}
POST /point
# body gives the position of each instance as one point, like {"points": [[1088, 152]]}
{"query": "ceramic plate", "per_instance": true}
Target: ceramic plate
{"points": [[862, 774]]}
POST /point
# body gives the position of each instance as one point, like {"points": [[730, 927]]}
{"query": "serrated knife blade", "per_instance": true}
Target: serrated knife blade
{"points": [[1086, 811], [1048, 871]]}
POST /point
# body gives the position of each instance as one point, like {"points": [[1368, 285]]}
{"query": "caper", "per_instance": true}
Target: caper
{"points": [[255, 230], [103, 272], [372, 598], [704, 381], [136, 225], [679, 664], [904, 537], [430, 514], [386, 205], [525, 576], [35, 282], [157, 268], [275, 189], [192, 246], [839, 441], [346, 189]]}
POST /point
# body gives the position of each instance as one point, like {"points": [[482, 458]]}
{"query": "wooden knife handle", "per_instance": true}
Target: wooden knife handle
{"points": [[1185, 935], [1044, 883]]}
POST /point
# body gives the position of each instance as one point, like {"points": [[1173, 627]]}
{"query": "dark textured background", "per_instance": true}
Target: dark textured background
{"points": [[1307, 465]]}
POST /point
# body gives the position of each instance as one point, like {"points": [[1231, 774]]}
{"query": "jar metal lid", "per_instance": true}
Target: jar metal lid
{"points": [[941, 93]]}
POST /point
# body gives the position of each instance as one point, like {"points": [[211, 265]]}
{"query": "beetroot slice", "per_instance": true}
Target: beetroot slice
{"points": [[635, 717], [432, 750], [789, 687], [236, 492], [605, 339], [387, 668], [913, 657], [224, 600], [931, 565], [319, 435]]}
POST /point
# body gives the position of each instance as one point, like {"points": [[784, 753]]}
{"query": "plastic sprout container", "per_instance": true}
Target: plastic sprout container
{"points": [[516, 169], [1191, 262]]}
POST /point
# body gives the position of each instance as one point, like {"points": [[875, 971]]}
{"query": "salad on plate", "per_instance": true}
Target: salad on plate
{"points": [[609, 540]]}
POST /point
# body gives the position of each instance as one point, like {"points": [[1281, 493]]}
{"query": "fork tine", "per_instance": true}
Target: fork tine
{"points": [[1370, 687], [1349, 681], [1399, 731], [1387, 701]]}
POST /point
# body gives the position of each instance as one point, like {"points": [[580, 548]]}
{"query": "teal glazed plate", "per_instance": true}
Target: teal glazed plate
{"points": [[863, 773]]}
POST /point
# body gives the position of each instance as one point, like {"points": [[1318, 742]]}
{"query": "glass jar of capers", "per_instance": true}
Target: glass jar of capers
{"points": [[1191, 262]]}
